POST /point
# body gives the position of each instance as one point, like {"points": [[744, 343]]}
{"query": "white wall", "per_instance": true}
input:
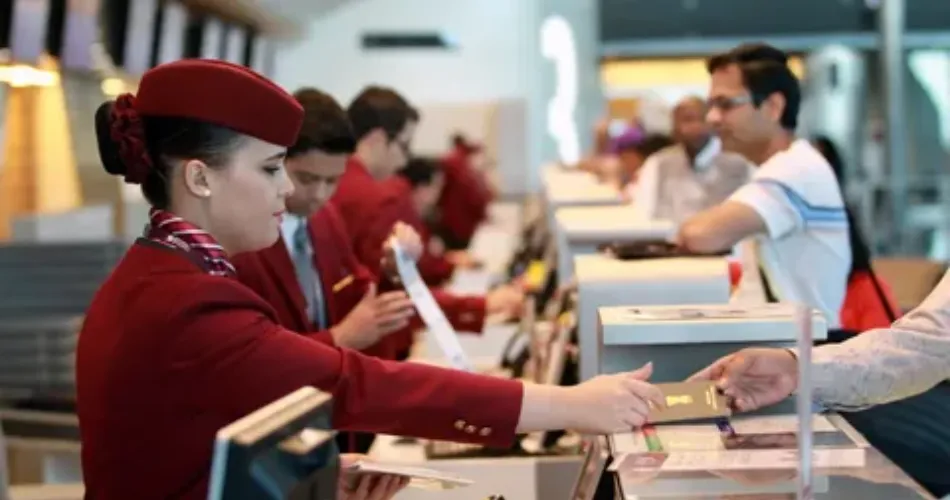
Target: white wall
{"points": [[493, 38], [496, 78]]}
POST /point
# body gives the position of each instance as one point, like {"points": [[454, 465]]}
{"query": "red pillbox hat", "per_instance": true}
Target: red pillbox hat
{"points": [[224, 94]]}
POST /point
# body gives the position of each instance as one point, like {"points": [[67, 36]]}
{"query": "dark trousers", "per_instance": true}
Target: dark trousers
{"points": [[914, 433]]}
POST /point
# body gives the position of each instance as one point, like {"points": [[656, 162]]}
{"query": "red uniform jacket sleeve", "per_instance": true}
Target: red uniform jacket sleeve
{"points": [[230, 358]]}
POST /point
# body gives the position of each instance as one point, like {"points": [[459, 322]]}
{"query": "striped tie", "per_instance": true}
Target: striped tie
{"points": [[170, 229]]}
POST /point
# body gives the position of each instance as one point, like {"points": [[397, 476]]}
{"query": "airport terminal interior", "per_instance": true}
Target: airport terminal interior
{"points": [[550, 249]]}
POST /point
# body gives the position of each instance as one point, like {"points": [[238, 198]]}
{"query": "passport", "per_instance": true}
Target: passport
{"points": [[687, 401]]}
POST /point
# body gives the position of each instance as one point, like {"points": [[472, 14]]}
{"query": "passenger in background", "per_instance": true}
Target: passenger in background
{"points": [[594, 161], [383, 124], [692, 175], [632, 151], [791, 216], [467, 192], [310, 276], [868, 302]]}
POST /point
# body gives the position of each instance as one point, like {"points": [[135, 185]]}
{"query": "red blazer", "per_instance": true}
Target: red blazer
{"points": [[463, 204], [370, 210], [169, 354], [270, 273], [436, 270]]}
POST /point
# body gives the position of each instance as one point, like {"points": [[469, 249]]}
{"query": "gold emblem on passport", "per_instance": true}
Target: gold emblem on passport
{"points": [[689, 401]]}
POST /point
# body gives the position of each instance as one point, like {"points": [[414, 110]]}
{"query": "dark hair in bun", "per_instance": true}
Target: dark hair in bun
{"points": [[108, 150], [141, 149]]}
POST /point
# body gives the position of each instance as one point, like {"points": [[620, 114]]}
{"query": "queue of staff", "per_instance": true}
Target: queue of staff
{"points": [[265, 268]]}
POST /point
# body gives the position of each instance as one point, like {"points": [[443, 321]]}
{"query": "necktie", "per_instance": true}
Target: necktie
{"points": [[308, 277]]}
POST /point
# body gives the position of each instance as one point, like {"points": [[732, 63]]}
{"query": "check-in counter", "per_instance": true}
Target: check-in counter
{"points": [[603, 281], [681, 340], [580, 230], [846, 467], [563, 192]]}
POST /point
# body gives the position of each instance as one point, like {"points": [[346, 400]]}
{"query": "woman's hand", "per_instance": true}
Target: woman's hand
{"points": [[615, 403], [366, 486]]}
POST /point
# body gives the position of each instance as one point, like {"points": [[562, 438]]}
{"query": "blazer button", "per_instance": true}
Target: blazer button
{"points": [[460, 424], [486, 431], [470, 429]]}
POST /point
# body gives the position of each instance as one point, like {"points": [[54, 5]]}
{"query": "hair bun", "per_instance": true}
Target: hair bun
{"points": [[121, 138], [108, 149]]}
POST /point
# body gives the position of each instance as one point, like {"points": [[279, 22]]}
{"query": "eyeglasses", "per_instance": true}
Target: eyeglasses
{"points": [[723, 103]]}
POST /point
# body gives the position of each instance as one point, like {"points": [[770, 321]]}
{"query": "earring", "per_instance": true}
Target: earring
{"points": [[205, 192]]}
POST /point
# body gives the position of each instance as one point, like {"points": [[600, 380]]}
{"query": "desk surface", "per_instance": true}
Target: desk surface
{"points": [[879, 479]]}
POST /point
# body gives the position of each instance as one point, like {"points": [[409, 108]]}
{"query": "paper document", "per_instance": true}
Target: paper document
{"points": [[824, 458], [430, 312], [770, 311], [426, 479]]}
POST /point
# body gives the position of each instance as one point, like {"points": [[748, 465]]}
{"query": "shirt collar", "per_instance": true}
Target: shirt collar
{"points": [[704, 159], [288, 227]]}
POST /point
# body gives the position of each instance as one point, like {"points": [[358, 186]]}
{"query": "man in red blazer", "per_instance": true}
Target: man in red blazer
{"points": [[310, 276], [343, 304], [383, 124]]}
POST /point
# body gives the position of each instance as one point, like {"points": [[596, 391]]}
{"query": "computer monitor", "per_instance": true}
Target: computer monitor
{"points": [[590, 484], [283, 451]]}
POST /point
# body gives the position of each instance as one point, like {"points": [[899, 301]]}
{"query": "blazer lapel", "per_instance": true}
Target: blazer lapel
{"points": [[281, 269]]}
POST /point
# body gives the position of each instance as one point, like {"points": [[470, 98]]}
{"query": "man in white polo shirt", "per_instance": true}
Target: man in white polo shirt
{"points": [[790, 217]]}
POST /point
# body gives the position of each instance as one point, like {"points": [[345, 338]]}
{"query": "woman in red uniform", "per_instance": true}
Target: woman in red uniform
{"points": [[174, 348]]}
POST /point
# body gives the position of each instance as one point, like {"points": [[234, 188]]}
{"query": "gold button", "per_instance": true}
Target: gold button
{"points": [[470, 429], [485, 431], [460, 424]]}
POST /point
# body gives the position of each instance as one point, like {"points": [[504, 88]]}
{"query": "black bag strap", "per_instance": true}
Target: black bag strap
{"points": [[770, 296], [891, 314]]}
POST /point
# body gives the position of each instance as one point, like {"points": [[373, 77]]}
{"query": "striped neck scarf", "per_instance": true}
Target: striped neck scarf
{"points": [[171, 230]]}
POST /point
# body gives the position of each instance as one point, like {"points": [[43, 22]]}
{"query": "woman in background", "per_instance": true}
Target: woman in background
{"points": [[173, 347]]}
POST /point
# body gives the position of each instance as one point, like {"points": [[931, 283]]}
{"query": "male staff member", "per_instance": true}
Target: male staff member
{"points": [[463, 203], [383, 123], [903, 368], [310, 276], [791, 214], [691, 176]]}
